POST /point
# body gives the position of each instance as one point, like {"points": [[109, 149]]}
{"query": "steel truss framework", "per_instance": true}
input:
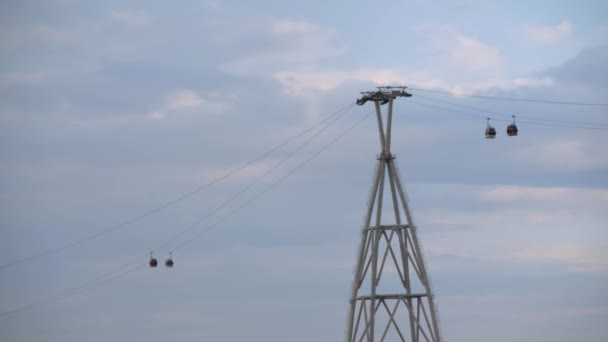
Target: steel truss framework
{"points": [[390, 256]]}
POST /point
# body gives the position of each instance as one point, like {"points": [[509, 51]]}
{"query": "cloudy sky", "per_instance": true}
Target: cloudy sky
{"points": [[110, 109]]}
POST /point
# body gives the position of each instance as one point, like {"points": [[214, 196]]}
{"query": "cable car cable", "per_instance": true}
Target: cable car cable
{"points": [[171, 202], [509, 115], [510, 98], [80, 288], [250, 185], [183, 244], [108, 275], [504, 120]]}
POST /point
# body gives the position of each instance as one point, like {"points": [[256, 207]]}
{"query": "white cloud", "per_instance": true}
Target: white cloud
{"points": [[549, 34], [286, 27], [300, 82], [569, 313], [519, 243], [456, 50], [461, 51], [188, 100], [563, 155], [156, 115], [286, 43], [502, 84], [131, 17], [502, 194], [577, 257], [470, 53], [184, 99], [517, 222]]}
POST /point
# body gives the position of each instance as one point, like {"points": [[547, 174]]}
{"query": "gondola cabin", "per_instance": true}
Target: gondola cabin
{"points": [[512, 128], [490, 132], [169, 261], [153, 262]]}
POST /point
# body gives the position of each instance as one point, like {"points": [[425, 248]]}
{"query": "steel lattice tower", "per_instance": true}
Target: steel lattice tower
{"points": [[391, 298]]}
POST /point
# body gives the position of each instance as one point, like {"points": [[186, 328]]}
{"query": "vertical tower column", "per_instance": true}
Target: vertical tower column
{"points": [[391, 297]]}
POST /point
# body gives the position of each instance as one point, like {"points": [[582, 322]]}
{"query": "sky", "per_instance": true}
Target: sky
{"points": [[111, 109]]}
